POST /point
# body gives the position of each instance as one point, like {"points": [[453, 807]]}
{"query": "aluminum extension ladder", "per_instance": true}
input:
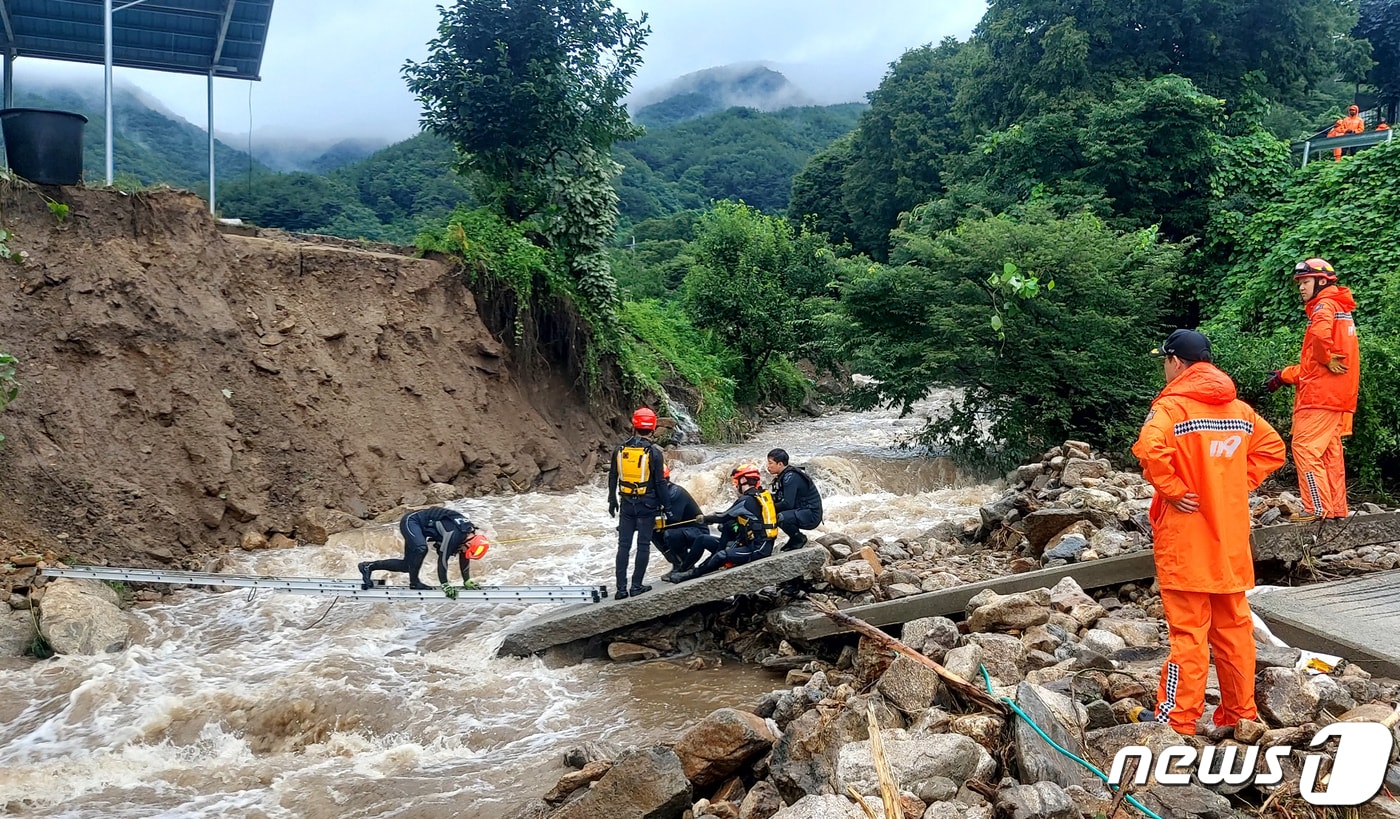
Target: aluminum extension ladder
{"points": [[339, 586]]}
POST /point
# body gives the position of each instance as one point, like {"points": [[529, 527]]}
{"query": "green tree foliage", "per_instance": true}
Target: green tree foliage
{"points": [[816, 193], [1067, 362], [661, 346], [1043, 49], [750, 277], [1345, 212], [526, 88], [899, 148], [1379, 23]]}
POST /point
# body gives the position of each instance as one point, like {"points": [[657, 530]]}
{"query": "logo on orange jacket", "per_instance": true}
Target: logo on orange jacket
{"points": [[1227, 447]]}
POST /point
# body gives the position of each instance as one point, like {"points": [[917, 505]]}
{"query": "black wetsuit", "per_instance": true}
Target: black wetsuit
{"points": [[637, 508], [738, 543], [799, 505], [446, 529], [677, 543]]}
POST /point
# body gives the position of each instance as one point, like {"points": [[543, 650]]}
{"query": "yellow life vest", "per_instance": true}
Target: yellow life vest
{"points": [[634, 470], [770, 515]]}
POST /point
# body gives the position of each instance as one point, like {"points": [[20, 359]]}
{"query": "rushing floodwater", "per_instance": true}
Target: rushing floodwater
{"points": [[274, 705]]}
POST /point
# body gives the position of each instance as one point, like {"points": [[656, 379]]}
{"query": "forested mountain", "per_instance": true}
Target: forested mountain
{"points": [[151, 147], [718, 89], [736, 154]]}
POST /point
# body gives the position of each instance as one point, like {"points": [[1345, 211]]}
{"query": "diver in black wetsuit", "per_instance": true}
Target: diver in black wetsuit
{"points": [[677, 538], [796, 497], [747, 528], [450, 533]]}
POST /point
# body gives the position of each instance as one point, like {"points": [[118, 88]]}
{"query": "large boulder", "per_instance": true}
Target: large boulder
{"points": [[16, 632], [1285, 698], [913, 761], [83, 617], [1009, 611], [1043, 524], [721, 744], [761, 802], [805, 758], [852, 576], [1043, 800], [317, 524], [909, 685], [647, 783], [829, 806]]}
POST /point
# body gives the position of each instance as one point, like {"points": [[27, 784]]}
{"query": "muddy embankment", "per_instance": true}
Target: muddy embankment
{"points": [[181, 388]]}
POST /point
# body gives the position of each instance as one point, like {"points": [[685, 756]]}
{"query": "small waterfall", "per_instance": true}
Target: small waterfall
{"points": [[686, 430]]}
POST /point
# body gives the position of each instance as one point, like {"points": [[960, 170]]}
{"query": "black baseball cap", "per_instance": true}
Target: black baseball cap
{"points": [[1187, 345]]}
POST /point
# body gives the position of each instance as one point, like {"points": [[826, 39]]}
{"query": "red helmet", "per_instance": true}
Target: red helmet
{"points": [[1311, 268], [644, 419], [476, 547], [745, 473]]}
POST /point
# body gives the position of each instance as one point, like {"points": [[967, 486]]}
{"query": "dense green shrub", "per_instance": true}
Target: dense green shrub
{"points": [[661, 347], [1035, 368]]}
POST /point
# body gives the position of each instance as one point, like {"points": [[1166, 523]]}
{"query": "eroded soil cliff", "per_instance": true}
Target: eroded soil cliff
{"points": [[181, 387]]}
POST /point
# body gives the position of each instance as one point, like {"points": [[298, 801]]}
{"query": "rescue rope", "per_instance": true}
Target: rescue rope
{"points": [[591, 532], [1053, 744]]}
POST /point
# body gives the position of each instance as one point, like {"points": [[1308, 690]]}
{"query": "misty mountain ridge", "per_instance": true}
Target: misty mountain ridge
{"points": [[700, 93], [282, 152]]}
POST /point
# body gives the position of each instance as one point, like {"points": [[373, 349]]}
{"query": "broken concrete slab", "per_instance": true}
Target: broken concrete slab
{"points": [[1291, 541], [584, 621], [1356, 618]]}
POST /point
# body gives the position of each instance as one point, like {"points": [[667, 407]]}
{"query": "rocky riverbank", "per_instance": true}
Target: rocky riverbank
{"points": [[1078, 663]]}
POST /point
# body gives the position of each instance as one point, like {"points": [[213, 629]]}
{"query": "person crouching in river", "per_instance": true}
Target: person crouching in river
{"points": [[747, 529], [679, 529], [450, 533]]}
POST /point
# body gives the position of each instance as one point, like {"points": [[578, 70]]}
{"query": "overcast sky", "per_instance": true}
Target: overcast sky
{"points": [[332, 68]]}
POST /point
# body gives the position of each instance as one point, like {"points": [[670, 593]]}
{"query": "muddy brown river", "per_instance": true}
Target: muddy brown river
{"points": [[274, 705]]}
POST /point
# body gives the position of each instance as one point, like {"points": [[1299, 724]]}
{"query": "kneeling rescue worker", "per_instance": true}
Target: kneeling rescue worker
{"points": [[450, 533], [796, 497], [636, 475], [747, 529], [1203, 451], [679, 529]]}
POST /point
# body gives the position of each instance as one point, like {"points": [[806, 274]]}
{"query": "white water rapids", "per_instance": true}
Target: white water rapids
{"points": [[269, 705]]}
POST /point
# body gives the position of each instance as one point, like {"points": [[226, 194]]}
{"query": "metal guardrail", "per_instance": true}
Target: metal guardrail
{"points": [[1366, 140], [338, 586]]}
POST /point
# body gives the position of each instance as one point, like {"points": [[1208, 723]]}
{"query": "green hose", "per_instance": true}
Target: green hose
{"points": [[1053, 744]]}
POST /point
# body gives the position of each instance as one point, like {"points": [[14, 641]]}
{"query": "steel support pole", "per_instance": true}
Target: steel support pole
{"points": [[107, 80], [211, 142], [1307, 150], [9, 92]]}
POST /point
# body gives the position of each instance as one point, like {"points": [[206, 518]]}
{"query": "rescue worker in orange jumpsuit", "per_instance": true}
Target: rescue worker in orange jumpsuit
{"points": [[1352, 123], [1203, 451], [637, 475], [1328, 377]]}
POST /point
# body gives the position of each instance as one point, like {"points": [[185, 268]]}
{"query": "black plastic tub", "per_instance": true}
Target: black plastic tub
{"points": [[45, 147]]}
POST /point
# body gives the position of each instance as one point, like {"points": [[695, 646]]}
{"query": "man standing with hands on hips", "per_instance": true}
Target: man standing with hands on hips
{"points": [[1203, 450]]}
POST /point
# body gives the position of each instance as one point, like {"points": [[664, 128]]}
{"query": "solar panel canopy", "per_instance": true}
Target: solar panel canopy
{"points": [[182, 36]]}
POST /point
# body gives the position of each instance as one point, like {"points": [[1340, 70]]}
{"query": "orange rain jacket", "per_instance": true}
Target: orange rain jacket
{"points": [[1199, 438], [1331, 329], [1348, 125]]}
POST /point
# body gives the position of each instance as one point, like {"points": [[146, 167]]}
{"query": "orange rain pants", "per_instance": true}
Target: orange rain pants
{"points": [[1197, 624], [1317, 454]]}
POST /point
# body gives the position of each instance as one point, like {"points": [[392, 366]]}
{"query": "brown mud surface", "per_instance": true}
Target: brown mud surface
{"points": [[180, 387]]}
